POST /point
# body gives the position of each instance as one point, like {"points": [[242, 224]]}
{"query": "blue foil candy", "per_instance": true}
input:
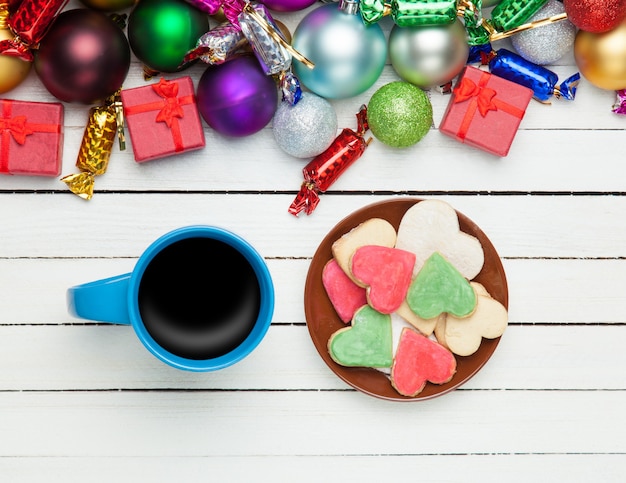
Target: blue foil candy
{"points": [[542, 81]]}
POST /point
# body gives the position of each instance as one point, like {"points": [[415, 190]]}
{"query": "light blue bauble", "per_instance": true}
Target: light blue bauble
{"points": [[348, 55]]}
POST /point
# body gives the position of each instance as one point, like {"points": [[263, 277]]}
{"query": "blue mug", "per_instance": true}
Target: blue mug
{"points": [[199, 298]]}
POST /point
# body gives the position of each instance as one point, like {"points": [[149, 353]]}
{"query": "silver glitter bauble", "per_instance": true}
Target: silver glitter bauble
{"points": [[306, 129], [548, 43], [428, 56]]}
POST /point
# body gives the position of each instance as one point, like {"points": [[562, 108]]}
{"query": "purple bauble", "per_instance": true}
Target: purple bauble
{"points": [[84, 57], [287, 5], [236, 98]]}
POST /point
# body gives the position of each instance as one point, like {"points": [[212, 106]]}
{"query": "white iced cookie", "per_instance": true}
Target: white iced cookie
{"points": [[433, 225], [374, 231]]}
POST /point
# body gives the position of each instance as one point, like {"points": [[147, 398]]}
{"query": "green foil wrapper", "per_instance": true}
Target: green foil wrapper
{"points": [[510, 14], [412, 13]]}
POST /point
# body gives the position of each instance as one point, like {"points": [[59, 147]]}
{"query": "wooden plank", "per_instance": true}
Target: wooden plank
{"points": [[41, 358], [167, 424], [119, 225], [513, 468]]}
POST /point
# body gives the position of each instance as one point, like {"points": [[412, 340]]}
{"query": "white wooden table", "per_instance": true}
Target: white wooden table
{"points": [[82, 401]]}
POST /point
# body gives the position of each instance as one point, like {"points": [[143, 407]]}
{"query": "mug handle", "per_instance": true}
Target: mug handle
{"points": [[104, 300]]}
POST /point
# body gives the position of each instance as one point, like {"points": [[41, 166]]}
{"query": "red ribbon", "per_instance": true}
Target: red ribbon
{"points": [[17, 128], [170, 109], [480, 98]]}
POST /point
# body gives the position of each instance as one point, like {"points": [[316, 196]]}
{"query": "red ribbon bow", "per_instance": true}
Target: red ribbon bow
{"points": [[172, 107], [468, 89], [169, 107], [17, 127]]}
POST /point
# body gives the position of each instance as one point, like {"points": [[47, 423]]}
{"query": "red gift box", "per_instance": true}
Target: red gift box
{"points": [[162, 119], [485, 111], [31, 138]]}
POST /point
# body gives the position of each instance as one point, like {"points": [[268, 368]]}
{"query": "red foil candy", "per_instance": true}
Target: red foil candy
{"points": [[29, 23], [326, 167]]}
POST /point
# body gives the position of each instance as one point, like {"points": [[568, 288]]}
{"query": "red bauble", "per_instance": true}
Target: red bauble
{"points": [[595, 16], [84, 57]]}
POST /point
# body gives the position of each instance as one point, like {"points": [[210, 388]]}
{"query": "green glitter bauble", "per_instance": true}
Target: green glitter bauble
{"points": [[399, 114], [161, 32]]}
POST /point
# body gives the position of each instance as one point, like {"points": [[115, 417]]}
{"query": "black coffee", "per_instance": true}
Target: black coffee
{"points": [[199, 298]]}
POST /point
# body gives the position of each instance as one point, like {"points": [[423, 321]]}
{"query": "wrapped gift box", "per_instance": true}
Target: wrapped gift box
{"points": [[31, 138], [162, 119], [485, 111]]}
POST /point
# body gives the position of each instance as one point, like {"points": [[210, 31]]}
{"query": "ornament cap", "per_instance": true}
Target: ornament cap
{"points": [[349, 6]]}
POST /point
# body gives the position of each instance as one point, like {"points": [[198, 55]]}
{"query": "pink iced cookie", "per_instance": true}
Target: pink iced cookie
{"points": [[343, 293], [386, 272], [419, 360]]}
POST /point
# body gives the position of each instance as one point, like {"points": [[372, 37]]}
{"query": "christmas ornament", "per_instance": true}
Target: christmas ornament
{"points": [[109, 5], [348, 56], [237, 98], [542, 81], [29, 22], [399, 114], [306, 129], [509, 14], [595, 16], [161, 32], [287, 5], [13, 70], [326, 168], [549, 43], [84, 57], [428, 56], [601, 58]]}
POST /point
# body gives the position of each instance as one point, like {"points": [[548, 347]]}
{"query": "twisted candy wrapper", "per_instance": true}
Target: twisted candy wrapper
{"points": [[325, 168], [29, 23], [620, 103], [542, 81], [93, 157]]}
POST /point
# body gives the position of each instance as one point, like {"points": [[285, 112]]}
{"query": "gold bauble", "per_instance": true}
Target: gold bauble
{"points": [[12, 70], [601, 57]]}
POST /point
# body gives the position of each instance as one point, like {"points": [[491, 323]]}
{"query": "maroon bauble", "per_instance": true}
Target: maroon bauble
{"points": [[84, 57], [595, 16]]}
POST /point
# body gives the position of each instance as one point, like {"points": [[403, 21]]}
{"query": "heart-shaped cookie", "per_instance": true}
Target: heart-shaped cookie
{"points": [[419, 360], [367, 343], [433, 225], [439, 287], [386, 272], [463, 336], [375, 231], [345, 296]]}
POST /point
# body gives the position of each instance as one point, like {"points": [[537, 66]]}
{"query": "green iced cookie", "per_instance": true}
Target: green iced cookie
{"points": [[366, 343], [439, 287]]}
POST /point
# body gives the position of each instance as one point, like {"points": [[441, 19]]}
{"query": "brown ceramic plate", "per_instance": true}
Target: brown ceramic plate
{"points": [[323, 321]]}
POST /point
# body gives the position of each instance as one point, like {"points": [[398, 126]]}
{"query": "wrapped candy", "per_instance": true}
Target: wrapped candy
{"points": [[218, 45], [105, 122], [410, 13], [29, 23], [509, 14], [323, 170], [542, 81], [620, 103]]}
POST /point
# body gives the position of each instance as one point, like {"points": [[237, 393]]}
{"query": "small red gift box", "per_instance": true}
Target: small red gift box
{"points": [[162, 119], [485, 111], [31, 138]]}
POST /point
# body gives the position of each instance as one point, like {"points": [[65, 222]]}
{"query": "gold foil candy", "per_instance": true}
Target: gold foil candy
{"points": [[103, 125]]}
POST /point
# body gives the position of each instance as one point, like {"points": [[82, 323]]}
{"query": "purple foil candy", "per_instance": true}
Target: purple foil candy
{"points": [[209, 6], [620, 105]]}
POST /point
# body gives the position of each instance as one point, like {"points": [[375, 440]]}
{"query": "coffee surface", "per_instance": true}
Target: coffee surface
{"points": [[199, 298]]}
